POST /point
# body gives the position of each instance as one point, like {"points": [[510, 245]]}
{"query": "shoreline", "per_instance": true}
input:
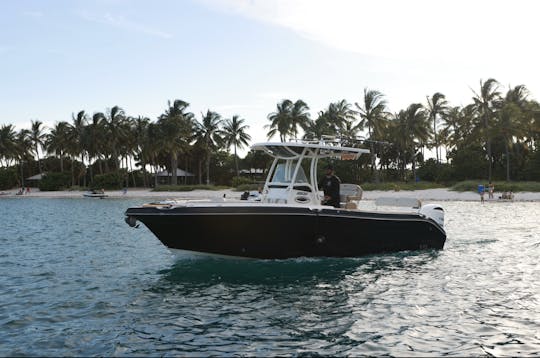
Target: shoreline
{"points": [[440, 194]]}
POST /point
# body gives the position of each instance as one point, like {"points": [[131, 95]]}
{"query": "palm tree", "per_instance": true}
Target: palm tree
{"points": [[508, 126], [299, 117], [78, 141], [280, 120], [24, 149], [152, 147], [512, 121], [8, 143], [57, 141], [437, 106], [116, 131], [95, 141], [340, 116], [140, 134], [37, 137], [176, 127], [318, 128], [209, 135], [416, 128], [235, 135], [372, 114], [485, 101]]}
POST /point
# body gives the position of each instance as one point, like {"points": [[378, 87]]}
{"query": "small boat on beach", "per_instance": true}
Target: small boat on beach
{"points": [[95, 194], [289, 220]]}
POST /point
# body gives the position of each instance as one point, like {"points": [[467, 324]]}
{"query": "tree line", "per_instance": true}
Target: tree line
{"points": [[494, 137]]}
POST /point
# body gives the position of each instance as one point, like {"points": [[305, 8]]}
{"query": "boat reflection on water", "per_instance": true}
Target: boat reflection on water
{"points": [[198, 271]]}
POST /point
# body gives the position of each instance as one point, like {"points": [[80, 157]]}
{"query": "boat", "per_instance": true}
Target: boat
{"points": [[95, 194], [289, 221]]}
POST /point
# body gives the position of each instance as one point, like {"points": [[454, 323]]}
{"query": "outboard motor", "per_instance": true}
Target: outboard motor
{"points": [[433, 211]]}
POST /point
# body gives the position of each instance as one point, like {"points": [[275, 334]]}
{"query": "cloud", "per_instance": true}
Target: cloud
{"points": [[123, 23], [459, 30]]}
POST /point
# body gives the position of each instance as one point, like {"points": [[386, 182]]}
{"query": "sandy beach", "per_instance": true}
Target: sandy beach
{"points": [[427, 195]]}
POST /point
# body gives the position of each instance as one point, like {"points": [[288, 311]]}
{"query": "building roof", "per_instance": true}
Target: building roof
{"points": [[36, 177]]}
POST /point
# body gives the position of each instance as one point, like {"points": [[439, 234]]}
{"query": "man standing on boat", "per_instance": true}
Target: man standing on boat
{"points": [[330, 185]]}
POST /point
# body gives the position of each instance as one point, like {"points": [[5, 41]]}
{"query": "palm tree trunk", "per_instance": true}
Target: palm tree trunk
{"points": [[91, 173], [200, 171], [507, 160], [436, 141], [413, 159], [84, 170], [174, 166], [488, 142], [132, 174], [72, 172], [208, 169], [100, 165], [236, 162], [185, 169]]}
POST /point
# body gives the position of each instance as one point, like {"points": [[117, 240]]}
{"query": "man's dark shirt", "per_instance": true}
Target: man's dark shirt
{"points": [[330, 186]]}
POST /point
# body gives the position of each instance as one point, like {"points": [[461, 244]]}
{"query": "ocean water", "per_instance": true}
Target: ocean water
{"points": [[76, 280]]}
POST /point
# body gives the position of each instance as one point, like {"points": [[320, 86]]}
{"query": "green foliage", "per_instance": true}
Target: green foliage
{"points": [[532, 170], [108, 181], [189, 187], [237, 181], [432, 171], [500, 186], [8, 178], [469, 162], [397, 186], [55, 181], [221, 168]]}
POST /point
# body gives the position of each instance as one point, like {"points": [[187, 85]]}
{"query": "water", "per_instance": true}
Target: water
{"points": [[76, 280]]}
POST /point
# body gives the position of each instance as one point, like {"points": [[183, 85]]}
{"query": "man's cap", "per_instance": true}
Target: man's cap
{"points": [[329, 166]]}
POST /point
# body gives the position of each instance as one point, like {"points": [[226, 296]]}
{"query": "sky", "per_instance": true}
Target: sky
{"points": [[242, 57]]}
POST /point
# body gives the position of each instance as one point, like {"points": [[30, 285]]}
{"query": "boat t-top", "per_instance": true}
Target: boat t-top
{"points": [[289, 220]]}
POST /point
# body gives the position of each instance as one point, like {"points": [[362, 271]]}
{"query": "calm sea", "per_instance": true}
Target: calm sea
{"points": [[76, 280]]}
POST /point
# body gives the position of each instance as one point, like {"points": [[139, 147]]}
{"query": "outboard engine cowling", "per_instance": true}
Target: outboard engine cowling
{"points": [[433, 211]]}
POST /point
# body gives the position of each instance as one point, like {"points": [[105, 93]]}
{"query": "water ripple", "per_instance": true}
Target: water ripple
{"points": [[75, 280]]}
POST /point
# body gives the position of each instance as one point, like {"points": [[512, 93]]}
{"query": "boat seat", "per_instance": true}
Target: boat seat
{"points": [[351, 205], [349, 193]]}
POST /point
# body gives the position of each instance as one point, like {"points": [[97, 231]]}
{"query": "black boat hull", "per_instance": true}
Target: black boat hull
{"points": [[268, 232]]}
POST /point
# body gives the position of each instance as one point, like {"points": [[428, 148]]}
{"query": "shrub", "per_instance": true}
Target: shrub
{"points": [[108, 181], [237, 181], [8, 178], [54, 182], [500, 186], [397, 186]]}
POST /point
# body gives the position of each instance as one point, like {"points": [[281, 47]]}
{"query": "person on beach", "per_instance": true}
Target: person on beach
{"points": [[491, 189], [330, 185], [481, 191]]}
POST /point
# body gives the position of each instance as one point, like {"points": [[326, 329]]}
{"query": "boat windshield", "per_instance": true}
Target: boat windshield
{"points": [[285, 170]]}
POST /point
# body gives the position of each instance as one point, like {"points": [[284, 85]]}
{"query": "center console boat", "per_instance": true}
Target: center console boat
{"points": [[289, 220]]}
